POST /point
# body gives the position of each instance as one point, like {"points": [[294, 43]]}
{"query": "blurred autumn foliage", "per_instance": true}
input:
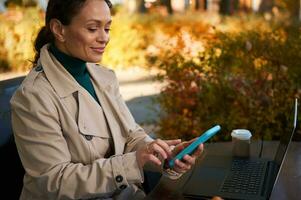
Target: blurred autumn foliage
{"points": [[18, 28], [238, 71], [245, 78]]}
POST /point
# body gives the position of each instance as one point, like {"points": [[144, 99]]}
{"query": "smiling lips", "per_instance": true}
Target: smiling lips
{"points": [[98, 49]]}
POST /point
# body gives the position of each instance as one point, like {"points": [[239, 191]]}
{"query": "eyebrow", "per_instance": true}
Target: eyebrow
{"points": [[99, 21]]}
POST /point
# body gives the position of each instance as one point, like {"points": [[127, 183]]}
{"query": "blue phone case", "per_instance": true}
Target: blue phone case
{"points": [[188, 150]]}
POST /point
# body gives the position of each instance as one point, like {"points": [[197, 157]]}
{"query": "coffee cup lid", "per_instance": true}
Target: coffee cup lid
{"points": [[242, 134]]}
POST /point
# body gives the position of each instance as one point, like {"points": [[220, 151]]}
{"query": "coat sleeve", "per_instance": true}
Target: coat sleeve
{"points": [[136, 135], [46, 158]]}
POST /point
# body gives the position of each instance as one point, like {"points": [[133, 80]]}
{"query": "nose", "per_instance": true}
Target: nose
{"points": [[103, 37]]}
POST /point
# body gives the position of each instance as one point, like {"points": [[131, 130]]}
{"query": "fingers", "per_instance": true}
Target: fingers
{"points": [[154, 159], [172, 142], [164, 146], [185, 165], [198, 151], [187, 143], [180, 147], [181, 167], [158, 149], [192, 140], [161, 147], [189, 160]]}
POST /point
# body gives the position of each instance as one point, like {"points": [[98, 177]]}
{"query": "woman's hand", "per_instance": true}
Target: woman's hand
{"points": [[154, 150], [181, 166], [217, 198]]}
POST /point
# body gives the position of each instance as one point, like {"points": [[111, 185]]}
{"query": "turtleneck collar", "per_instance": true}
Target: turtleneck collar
{"points": [[75, 66]]}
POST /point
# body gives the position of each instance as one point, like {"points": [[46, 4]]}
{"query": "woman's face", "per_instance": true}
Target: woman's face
{"points": [[88, 33]]}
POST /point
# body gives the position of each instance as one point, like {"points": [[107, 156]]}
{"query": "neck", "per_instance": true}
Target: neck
{"points": [[74, 66]]}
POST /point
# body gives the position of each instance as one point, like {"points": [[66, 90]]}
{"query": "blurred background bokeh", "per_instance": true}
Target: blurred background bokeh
{"points": [[230, 62]]}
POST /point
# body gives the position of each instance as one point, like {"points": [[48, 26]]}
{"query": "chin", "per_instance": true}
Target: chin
{"points": [[94, 59]]}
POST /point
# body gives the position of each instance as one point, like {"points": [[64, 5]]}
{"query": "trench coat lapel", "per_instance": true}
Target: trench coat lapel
{"points": [[61, 81], [67, 87], [109, 90], [89, 112], [106, 91]]}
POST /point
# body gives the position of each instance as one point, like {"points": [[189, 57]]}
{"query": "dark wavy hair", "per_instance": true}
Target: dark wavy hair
{"points": [[62, 10]]}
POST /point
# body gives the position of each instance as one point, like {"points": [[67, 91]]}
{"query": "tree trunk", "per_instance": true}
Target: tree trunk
{"points": [[197, 5], [200, 4], [228, 7], [225, 7], [167, 4], [140, 6], [266, 6], [205, 4]]}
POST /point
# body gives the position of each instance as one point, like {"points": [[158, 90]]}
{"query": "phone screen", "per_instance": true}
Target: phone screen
{"points": [[193, 146]]}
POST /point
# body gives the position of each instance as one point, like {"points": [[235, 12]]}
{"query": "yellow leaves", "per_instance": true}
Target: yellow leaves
{"points": [[191, 45], [152, 50], [185, 111], [279, 36], [217, 52], [17, 33], [259, 63]]}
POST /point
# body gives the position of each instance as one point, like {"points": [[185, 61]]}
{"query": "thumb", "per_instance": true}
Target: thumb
{"points": [[192, 140], [173, 142]]}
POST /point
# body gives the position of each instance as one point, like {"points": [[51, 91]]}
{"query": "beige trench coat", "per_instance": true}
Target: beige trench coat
{"points": [[62, 135]]}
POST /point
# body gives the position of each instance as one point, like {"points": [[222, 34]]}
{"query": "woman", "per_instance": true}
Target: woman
{"points": [[75, 136]]}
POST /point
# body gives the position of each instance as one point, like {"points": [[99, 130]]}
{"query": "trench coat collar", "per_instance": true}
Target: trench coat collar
{"points": [[62, 81]]}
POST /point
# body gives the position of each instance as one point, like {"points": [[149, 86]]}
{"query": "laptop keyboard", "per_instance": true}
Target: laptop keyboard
{"points": [[245, 177]]}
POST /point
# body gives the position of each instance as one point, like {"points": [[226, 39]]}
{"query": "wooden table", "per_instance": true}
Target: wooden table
{"points": [[288, 185]]}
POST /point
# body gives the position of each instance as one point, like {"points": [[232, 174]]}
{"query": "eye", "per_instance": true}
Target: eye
{"points": [[107, 30], [92, 30]]}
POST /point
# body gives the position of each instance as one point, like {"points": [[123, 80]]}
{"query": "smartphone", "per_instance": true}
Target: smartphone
{"points": [[193, 146]]}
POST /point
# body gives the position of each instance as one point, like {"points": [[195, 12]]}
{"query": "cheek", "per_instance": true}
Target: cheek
{"points": [[81, 41]]}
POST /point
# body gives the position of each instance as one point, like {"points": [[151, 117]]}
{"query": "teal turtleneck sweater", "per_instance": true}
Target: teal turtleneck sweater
{"points": [[77, 68]]}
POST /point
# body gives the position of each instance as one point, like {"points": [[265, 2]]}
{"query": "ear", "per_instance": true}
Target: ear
{"points": [[58, 30]]}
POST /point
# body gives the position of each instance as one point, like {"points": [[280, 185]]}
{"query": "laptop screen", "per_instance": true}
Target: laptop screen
{"points": [[286, 138], [283, 146]]}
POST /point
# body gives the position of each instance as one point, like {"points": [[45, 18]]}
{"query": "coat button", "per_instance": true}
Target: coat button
{"points": [[89, 137], [119, 178], [39, 68], [122, 187]]}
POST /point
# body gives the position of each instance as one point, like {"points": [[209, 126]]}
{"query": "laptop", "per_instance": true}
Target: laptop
{"points": [[236, 178]]}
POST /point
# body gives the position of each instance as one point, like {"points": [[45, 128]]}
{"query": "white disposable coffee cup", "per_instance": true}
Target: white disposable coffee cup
{"points": [[241, 140]]}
